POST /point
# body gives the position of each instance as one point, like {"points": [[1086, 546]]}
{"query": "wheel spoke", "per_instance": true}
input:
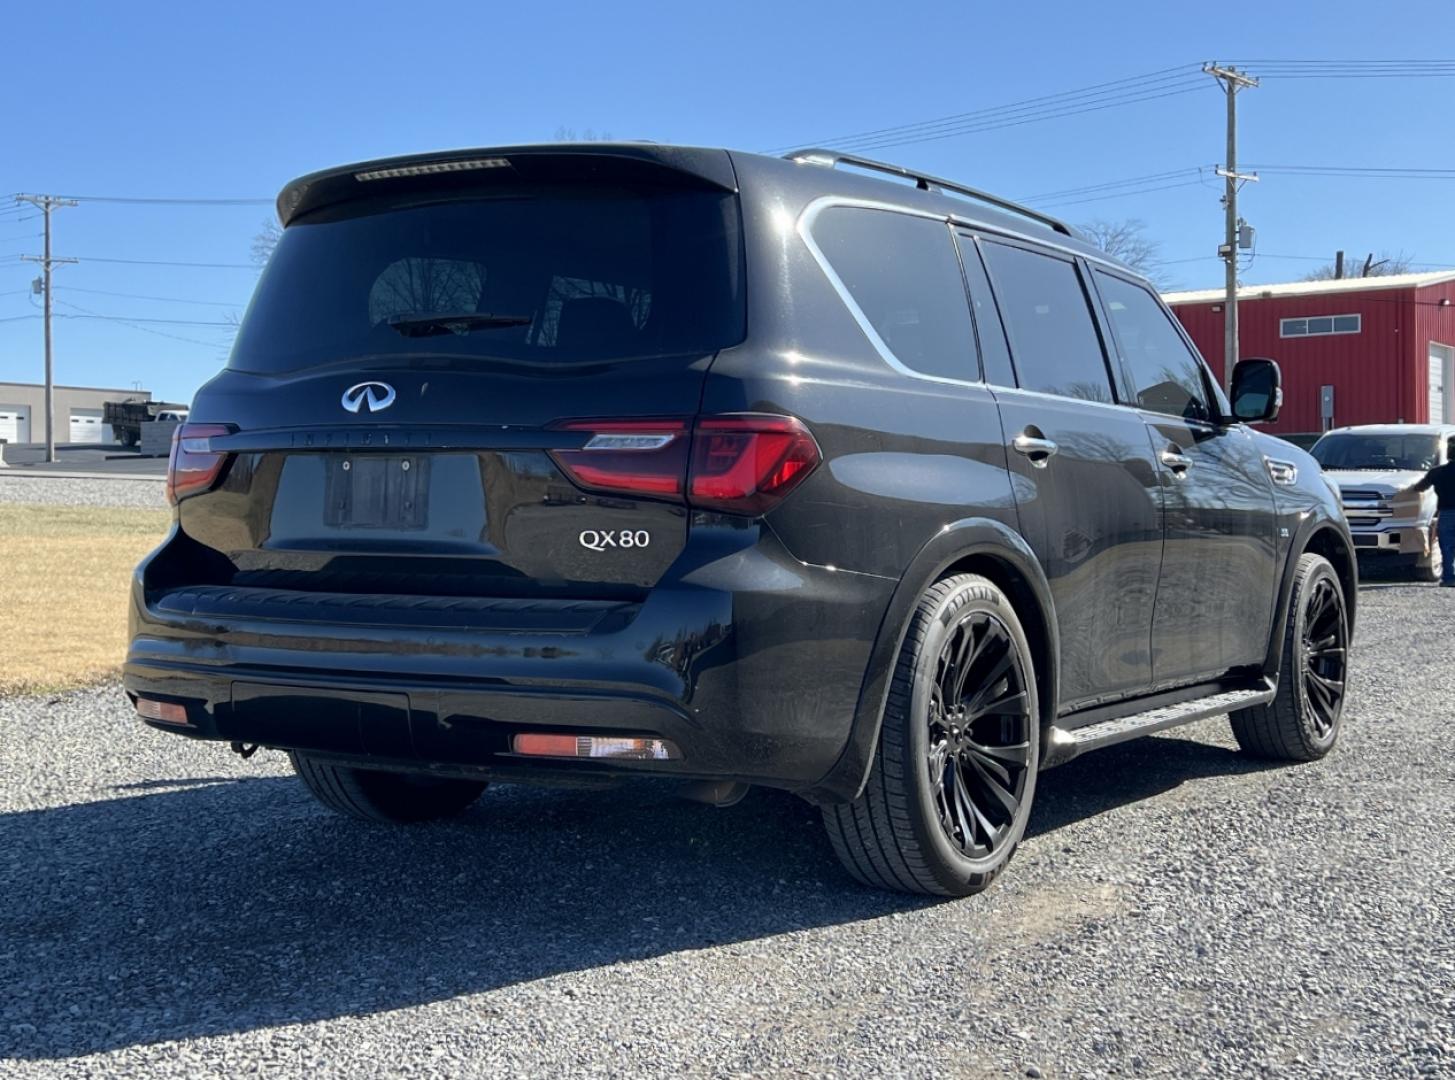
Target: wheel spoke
{"points": [[966, 812], [963, 792], [1008, 802], [1013, 753]]}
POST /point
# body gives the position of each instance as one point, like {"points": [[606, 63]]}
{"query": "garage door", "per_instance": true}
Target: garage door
{"points": [[86, 427], [1442, 360], [15, 423]]}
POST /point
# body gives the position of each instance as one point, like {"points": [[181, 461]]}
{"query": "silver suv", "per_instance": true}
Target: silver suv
{"points": [[1373, 466]]}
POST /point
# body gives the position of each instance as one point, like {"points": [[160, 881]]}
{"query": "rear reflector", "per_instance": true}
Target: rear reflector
{"points": [[596, 746], [741, 463], [165, 712], [194, 466]]}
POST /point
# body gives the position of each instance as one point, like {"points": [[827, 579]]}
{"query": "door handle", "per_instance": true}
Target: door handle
{"points": [[1038, 450], [1177, 461]]}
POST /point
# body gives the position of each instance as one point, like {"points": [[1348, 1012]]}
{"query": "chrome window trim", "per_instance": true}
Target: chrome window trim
{"points": [[804, 227], [805, 231]]}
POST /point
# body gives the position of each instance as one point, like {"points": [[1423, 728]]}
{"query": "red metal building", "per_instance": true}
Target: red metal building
{"points": [[1386, 345]]}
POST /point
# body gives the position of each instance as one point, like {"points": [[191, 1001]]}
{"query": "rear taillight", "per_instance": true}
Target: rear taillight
{"points": [[194, 466], [642, 457], [739, 464], [745, 464]]}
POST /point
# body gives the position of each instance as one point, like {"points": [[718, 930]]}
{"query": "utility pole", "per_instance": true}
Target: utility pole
{"points": [[1232, 81], [47, 203], [1338, 265]]}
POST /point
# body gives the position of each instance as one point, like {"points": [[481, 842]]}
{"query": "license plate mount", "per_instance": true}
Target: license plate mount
{"points": [[377, 491]]}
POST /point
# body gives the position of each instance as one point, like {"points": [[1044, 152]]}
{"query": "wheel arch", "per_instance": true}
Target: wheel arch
{"points": [[974, 545], [1326, 538]]}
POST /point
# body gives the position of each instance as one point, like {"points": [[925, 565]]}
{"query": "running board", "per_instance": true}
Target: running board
{"points": [[1062, 745]]}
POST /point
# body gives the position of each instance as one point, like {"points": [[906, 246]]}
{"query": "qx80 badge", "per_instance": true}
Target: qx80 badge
{"points": [[600, 540]]}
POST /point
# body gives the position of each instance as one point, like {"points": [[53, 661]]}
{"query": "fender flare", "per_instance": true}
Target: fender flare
{"points": [[1311, 531], [955, 543]]}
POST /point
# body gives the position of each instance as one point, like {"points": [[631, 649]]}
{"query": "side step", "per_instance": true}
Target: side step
{"points": [[1063, 745]]}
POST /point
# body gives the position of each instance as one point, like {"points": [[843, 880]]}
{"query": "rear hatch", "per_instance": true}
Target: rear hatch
{"points": [[448, 368]]}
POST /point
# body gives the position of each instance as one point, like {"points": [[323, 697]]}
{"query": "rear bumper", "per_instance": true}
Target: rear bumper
{"points": [[749, 661]]}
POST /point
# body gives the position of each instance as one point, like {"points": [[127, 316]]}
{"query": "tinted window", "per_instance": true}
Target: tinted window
{"points": [[1166, 376], [1056, 346], [577, 275], [903, 274], [994, 353], [1415, 453]]}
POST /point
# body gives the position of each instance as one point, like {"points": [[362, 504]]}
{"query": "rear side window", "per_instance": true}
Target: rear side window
{"points": [[1166, 376], [1052, 335], [555, 276], [904, 277]]}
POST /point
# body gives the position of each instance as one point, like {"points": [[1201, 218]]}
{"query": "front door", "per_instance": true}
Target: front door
{"points": [[1086, 482], [1219, 578]]}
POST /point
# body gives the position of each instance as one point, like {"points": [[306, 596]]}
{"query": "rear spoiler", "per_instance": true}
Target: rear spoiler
{"points": [[466, 171]]}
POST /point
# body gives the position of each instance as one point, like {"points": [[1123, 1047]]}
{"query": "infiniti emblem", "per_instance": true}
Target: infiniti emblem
{"points": [[369, 396]]}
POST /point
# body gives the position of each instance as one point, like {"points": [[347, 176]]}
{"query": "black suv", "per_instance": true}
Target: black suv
{"points": [[563, 464]]}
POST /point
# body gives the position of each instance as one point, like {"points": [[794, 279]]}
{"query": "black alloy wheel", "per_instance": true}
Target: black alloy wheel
{"points": [[980, 735], [1326, 654]]}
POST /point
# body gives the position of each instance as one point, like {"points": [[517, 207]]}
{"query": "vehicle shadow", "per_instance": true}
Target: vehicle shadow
{"points": [[216, 906]]}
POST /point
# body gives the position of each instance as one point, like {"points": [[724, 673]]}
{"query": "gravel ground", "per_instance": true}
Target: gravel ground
{"points": [[55, 490], [1176, 910]]}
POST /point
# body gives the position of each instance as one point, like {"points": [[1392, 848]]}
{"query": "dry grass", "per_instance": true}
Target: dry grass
{"points": [[64, 573]]}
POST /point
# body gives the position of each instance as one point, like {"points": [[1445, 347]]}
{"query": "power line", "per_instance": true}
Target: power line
{"points": [[143, 296], [1044, 101], [1165, 82], [160, 201], [163, 262]]}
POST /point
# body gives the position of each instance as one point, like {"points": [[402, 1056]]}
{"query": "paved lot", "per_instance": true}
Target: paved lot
{"points": [[25, 459], [167, 907]]}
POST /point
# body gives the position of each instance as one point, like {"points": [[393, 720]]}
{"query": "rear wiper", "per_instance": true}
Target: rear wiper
{"points": [[453, 322]]}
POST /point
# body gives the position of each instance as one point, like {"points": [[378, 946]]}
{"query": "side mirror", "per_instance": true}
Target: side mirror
{"points": [[1257, 390]]}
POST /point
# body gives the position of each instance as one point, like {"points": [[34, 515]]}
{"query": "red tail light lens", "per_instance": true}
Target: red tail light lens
{"points": [[746, 464], [194, 466], [737, 464], [642, 457]]}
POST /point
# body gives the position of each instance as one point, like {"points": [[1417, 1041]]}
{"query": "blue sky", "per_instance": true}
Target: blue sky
{"points": [[213, 101]]}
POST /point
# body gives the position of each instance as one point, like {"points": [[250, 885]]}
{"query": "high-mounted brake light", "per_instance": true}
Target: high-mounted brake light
{"points": [[430, 168], [194, 466], [741, 463]]}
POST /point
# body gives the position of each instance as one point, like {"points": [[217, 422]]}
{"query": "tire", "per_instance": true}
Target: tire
{"points": [[1302, 722], [376, 795], [909, 830]]}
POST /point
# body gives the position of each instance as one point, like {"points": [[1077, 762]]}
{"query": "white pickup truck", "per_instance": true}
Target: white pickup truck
{"points": [[1373, 466]]}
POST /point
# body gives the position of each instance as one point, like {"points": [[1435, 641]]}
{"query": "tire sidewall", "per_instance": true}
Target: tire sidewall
{"points": [[968, 597]]}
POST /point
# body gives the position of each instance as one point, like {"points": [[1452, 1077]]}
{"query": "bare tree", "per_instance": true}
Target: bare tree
{"points": [[1127, 241], [265, 240], [570, 134], [1382, 266]]}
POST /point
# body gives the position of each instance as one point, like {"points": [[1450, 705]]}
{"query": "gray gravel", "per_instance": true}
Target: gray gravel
{"points": [[1178, 909], [55, 490]]}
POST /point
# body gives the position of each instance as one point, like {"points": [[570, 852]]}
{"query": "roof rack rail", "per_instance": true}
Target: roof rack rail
{"points": [[926, 182]]}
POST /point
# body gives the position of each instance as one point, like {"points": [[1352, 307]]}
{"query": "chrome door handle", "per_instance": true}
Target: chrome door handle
{"points": [[1177, 461], [1039, 451]]}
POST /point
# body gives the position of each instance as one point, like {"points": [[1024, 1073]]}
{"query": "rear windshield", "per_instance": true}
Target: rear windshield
{"points": [[1412, 453], [562, 277]]}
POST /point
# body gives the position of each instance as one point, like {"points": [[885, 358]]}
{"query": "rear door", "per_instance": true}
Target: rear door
{"points": [[1085, 481], [1220, 567], [431, 386]]}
